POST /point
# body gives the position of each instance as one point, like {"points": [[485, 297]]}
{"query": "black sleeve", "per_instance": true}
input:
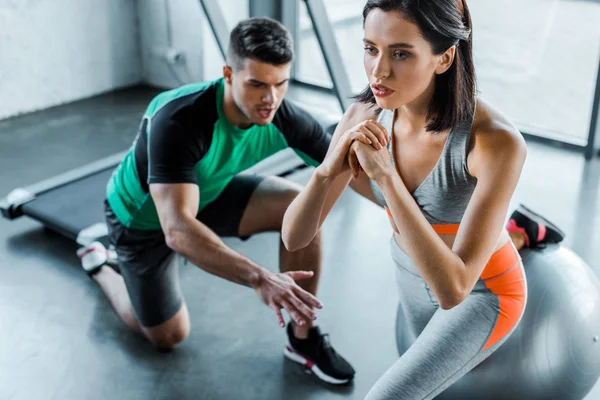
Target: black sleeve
{"points": [[173, 151], [303, 133]]}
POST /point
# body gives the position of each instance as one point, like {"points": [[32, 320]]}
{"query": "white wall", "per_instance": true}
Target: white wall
{"points": [[57, 51], [181, 26]]}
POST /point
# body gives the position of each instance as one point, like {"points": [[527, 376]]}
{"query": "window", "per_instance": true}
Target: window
{"points": [[536, 60]]}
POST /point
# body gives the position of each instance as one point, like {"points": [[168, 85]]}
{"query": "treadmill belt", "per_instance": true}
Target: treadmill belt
{"points": [[72, 207]]}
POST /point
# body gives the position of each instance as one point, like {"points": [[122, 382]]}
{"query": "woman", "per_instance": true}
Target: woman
{"points": [[445, 165]]}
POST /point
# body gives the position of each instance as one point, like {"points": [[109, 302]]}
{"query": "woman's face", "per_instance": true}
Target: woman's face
{"points": [[399, 62]]}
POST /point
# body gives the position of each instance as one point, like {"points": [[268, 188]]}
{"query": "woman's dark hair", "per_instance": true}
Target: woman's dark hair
{"points": [[443, 23], [261, 39]]}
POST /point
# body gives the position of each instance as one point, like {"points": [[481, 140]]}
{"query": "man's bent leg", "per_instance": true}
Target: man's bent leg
{"points": [[146, 295], [306, 259], [264, 213], [94, 259], [253, 204], [113, 286], [307, 345], [149, 302], [151, 274], [166, 335], [170, 333]]}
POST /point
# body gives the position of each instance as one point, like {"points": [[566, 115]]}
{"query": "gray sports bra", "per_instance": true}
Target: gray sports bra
{"points": [[445, 193]]}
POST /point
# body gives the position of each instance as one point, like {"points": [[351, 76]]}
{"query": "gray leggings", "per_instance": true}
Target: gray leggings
{"points": [[449, 343]]}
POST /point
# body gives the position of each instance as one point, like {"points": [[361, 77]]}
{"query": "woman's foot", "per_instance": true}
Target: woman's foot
{"points": [[536, 230]]}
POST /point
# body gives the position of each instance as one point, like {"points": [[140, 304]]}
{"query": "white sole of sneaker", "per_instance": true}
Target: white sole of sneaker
{"points": [[292, 355]]}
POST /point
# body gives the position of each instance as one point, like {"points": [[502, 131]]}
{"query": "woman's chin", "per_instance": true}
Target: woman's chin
{"points": [[387, 103]]}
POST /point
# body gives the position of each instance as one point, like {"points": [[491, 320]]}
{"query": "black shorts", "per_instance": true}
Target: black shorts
{"points": [[149, 266]]}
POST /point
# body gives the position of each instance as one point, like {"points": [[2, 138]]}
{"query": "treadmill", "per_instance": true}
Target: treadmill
{"points": [[71, 203]]}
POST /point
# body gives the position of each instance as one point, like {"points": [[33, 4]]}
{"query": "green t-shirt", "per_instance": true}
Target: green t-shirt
{"points": [[184, 137]]}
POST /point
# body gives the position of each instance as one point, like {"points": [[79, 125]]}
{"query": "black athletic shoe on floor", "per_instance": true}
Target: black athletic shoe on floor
{"points": [[537, 229], [316, 354]]}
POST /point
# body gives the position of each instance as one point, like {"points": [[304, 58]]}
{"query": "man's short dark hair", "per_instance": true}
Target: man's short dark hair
{"points": [[261, 39]]}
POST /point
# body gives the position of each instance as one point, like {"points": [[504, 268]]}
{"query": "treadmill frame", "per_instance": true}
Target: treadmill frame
{"points": [[11, 206]]}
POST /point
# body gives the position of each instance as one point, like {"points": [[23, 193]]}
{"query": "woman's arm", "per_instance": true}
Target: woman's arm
{"points": [[498, 156], [306, 213], [362, 186]]}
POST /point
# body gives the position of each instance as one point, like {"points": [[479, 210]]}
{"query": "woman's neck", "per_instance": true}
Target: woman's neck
{"points": [[414, 114]]}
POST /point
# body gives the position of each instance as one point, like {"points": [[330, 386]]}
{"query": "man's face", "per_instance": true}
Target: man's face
{"points": [[258, 89]]}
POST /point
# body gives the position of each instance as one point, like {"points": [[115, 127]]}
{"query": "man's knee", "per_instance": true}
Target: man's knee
{"points": [[170, 333], [169, 338]]}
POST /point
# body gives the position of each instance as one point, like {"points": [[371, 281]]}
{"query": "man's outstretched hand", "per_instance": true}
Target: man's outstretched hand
{"points": [[279, 290]]}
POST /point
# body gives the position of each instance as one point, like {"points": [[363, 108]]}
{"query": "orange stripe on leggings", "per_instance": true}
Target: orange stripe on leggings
{"points": [[440, 229], [504, 277]]}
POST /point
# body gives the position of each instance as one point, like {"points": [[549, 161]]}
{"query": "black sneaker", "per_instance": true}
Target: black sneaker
{"points": [[316, 354], [537, 229]]}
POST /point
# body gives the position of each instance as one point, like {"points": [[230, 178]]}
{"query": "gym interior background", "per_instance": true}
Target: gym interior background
{"points": [[75, 77]]}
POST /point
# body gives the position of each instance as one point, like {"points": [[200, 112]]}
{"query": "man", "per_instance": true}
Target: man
{"points": [[179, 190]]}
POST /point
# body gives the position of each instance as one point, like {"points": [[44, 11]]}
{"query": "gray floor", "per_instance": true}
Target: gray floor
{"points": [[60, 340]]}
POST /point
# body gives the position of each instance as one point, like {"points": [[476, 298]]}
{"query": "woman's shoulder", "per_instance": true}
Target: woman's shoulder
{"points": [[490, 125], [493, 135]]}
